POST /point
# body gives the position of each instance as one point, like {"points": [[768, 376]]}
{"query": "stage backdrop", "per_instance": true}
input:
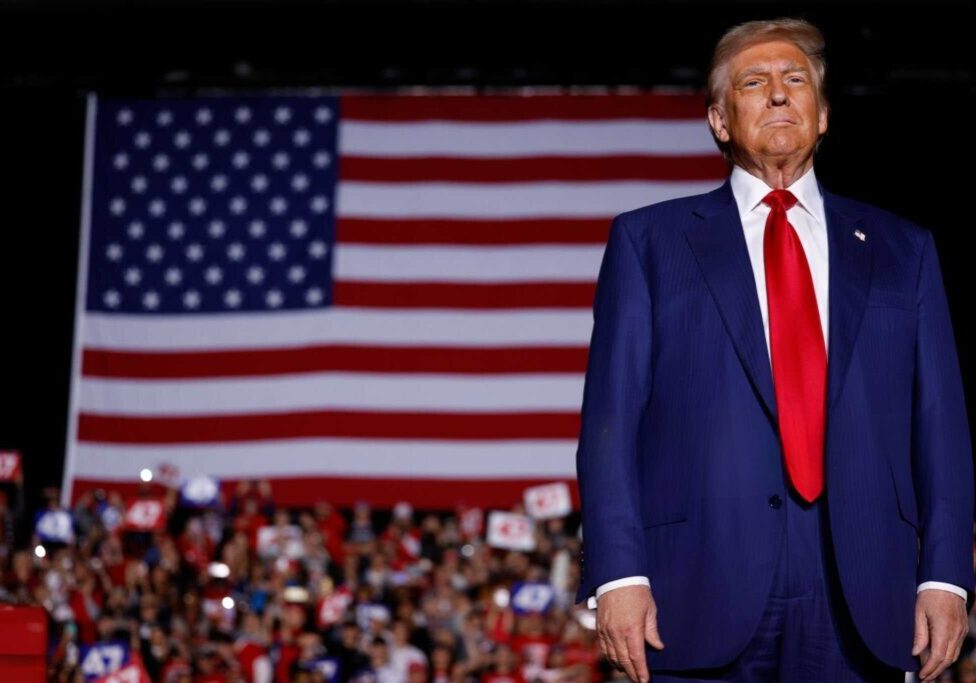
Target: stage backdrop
{"points": [[355, 295]]}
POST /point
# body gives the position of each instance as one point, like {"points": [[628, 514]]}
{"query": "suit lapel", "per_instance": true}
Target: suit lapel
{"points": [[720, 248], [851, 262]]}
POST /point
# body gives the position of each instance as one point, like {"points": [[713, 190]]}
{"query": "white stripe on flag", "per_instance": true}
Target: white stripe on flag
{"points": [[344, 390], [338, 326], [535, 263], [504, 200], [525, 139], [337, 457]]}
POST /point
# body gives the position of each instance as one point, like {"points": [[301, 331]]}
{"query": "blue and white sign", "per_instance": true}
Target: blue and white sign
{"points": [[110, 515], [327, 666], [103, 659], [55, 526], [532, 597], [200, 492]]}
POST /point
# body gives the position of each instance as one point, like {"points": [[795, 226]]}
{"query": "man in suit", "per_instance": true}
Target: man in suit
{"points": [[774, 460]]}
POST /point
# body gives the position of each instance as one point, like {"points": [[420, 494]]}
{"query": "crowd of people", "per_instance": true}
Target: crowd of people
{"points": [[245, 590]]}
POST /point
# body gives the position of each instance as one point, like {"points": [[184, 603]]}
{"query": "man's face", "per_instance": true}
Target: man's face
{"points": [[771, 109]]}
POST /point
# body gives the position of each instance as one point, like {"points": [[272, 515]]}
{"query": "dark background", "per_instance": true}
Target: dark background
{"points": [[901, 80]]}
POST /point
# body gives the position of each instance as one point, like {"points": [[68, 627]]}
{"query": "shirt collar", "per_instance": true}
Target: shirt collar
{"points": [[750, 190]]}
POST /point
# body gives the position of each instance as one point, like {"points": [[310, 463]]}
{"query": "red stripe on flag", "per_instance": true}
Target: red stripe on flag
{"points": [[534, 169], [385, 359], [425, 494], [463, 296], [517, 108], [464, 231], [327, 423]]}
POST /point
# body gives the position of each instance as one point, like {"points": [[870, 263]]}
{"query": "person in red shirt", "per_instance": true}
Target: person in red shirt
{"points": [[333, 527], [287, 640], [251, 649], [196, 546], [441, 661], [417, 672], [250, 520], [532, 643], [86, 600], [505, 667], [580, 649], [209, 669], [404, 537]]}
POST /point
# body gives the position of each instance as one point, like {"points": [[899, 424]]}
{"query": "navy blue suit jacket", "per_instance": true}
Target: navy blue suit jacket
{"points": [[679, 453]]}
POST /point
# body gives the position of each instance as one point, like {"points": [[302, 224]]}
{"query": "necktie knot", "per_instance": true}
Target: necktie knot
{"points": [[782, 199]]}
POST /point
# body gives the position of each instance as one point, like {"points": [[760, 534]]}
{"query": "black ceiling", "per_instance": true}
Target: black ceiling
{"points": [[150, 45]]}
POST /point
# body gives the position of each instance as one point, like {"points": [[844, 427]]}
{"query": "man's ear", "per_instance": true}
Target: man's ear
{"points": [[716, 120], [822, 118]]}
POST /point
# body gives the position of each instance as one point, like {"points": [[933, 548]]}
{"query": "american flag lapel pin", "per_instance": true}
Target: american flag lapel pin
{"points": [[860, 235]]}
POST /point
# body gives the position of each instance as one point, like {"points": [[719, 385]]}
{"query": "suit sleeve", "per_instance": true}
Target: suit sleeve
{"points": [[615, 392], [941, 450]]}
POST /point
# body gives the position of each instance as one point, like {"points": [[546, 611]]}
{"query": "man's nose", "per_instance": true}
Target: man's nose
{"points": [[777, 93]]}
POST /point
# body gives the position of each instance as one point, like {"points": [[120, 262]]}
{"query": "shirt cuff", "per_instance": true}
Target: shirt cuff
{"points": [[952, 588], [617, 583]]}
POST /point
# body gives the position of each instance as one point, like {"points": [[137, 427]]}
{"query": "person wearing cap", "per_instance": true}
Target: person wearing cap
{"points": [[774, 457]]}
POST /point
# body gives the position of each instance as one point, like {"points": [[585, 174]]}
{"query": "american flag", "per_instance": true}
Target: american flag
{"points": [[357, 296]]}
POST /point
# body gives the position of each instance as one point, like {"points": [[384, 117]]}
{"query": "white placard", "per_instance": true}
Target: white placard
{"points": [[511, 531], [281, 541], [548, 501]]}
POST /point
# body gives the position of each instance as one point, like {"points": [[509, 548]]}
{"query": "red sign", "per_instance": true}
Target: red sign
{"points": [[9, 465], [332, 608], [145, 514]]}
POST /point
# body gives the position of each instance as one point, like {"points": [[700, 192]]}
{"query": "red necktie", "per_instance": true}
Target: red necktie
{"points": [[798, 352]]}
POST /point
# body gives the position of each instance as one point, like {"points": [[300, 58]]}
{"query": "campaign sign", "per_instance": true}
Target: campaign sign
{"points": [[332, 608], [200, 492], [9, 465], [145, 514], [548, 501], [131, 673], [102, 659], [471, 522], [167, 474], [328, 667], [532, 596], [110, 515], [55, 526], [277, 541], [511, 531]]}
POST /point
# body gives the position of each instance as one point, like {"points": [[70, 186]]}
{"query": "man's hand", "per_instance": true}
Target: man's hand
{"points": [[941, 624], [625, 618]]}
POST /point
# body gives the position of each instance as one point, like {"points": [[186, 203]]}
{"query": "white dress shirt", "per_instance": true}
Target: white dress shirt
{"points": [[808, 219]]}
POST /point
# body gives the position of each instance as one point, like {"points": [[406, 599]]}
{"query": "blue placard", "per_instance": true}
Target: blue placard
{"points": [[102, 659], [55, 526], [327, 666], [110, 515], [200, 492], [532, 597]]}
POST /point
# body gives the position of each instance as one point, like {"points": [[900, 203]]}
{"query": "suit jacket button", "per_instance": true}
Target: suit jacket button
{"points": [[775, 502]]}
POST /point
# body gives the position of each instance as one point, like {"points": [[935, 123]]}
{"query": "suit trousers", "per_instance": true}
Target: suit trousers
{"points": [[805, 634]]}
